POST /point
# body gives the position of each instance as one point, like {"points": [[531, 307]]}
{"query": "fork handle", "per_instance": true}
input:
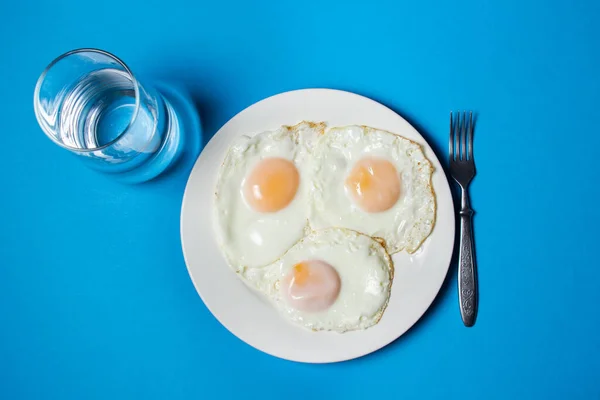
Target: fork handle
{"points": [[467, 266]]}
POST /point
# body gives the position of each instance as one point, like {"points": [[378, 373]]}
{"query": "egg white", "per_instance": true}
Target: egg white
{"points": [[405, 225], [365, 271]]}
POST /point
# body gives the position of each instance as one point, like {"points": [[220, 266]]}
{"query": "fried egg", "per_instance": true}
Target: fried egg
{"points": [[262, 193], [374, 182], [333, 279]]}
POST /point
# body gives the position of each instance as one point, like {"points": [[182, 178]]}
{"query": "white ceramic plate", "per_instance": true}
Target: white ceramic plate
{"points": [[417, 278]]}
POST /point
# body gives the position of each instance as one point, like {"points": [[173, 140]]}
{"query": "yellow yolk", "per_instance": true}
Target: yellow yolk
{"points": [[271, 185], [374, 184], [301, 273], [311, 286]]}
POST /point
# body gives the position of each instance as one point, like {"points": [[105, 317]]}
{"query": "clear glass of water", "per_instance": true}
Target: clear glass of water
{"points": [[88, 102]]}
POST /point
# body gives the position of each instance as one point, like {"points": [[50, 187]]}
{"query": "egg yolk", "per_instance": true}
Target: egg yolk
{"points": [[271, 185], [311, 286], [374, 183]]}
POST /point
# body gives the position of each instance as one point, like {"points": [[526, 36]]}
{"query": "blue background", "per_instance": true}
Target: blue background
{"points": [[95, 300]]}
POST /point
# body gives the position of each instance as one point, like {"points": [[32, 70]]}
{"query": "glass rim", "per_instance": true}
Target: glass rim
{"points": [[36, 98]]}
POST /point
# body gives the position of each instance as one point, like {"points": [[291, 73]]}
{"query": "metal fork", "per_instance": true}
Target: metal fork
{"points": [[462, 169]]}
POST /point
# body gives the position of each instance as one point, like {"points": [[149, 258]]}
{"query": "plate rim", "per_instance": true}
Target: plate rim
{"points": [[430, 155]]}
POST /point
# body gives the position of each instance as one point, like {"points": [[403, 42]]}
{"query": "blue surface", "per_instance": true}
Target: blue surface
{"points": [[95, 300]]}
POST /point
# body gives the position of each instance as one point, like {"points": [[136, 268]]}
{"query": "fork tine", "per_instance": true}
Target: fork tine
{"points": [[451, 145], [457, 136], [471, 135], [457, 128], [463, 137]]}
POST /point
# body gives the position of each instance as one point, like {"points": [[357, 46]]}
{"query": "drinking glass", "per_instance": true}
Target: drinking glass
{"points": [[89, 102]]}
